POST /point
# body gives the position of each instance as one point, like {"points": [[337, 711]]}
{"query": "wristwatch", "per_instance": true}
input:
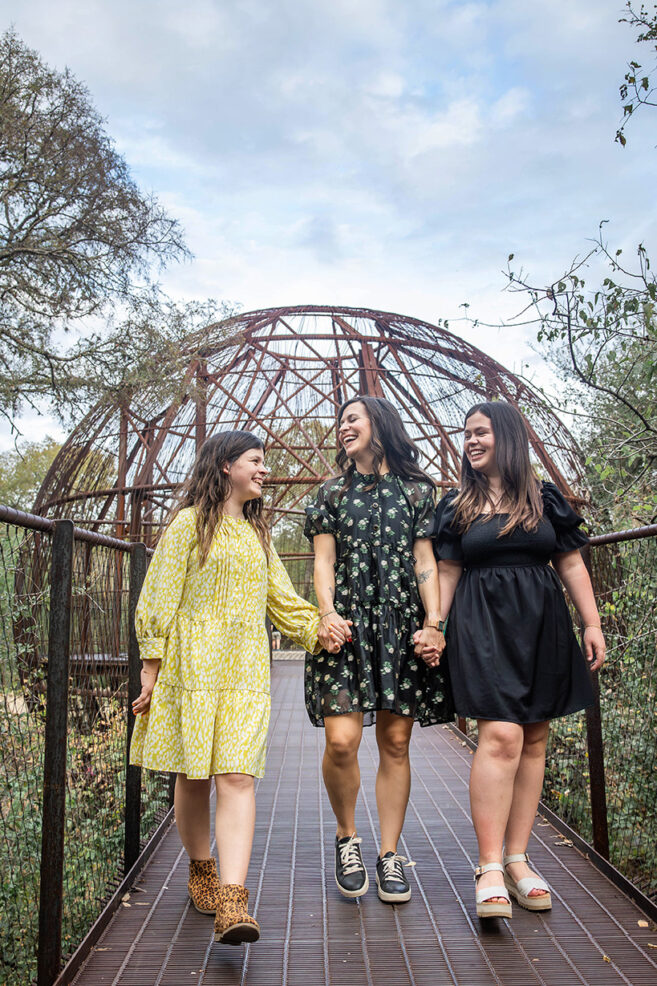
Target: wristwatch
{"points": [[440, 625]]}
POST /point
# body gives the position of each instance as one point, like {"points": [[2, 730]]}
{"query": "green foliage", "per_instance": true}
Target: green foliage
{"points": [[602, 341], [22, 472], [636, 90], [96, 757], [77, 237], [626, 582]]}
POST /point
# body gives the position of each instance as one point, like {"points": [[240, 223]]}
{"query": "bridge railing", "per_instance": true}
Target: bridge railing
{"points": [[72, 816], [601, 774]]}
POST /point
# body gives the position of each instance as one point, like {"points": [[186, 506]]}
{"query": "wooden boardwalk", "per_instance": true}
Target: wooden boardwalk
{"points": [[311, 935]]}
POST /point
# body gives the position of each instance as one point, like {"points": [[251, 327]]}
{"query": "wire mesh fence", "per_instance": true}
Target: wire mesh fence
{"points": [[625, 579], [96, 739]]}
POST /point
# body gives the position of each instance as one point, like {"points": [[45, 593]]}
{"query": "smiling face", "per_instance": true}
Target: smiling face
{"points": [[355, 431], [479, 444], [247, 474]]}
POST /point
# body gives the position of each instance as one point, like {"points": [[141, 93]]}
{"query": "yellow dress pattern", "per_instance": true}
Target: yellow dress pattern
{"points": [[209, 710]]}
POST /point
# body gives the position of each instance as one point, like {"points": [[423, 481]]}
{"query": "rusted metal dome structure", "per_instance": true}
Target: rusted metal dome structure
{"points": [[284, 372]]}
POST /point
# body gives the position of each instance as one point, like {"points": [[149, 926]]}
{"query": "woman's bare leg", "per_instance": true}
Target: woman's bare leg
{"points": [[340, 768], [234, 825], [393, 779], [192, 811], [527, 789], [494, 768]]}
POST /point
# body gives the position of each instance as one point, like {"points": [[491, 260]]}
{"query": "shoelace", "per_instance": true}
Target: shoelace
{"points": [[350, 856], [392, 866]]}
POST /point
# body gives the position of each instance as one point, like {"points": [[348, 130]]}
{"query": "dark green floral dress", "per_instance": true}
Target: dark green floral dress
{"points": [[375, 525]]}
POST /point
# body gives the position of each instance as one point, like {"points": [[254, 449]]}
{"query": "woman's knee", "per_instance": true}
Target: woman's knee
{"points": [[234, 783], [535, 737], [393, 744], [193, 786], [342, 745], [502, 740]]}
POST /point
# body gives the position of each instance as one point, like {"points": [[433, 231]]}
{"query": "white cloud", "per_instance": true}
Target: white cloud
{"points": [[377, 153]]}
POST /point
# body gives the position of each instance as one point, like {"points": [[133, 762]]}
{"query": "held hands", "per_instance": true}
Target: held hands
{"points": [[142, 703], [334, 632], [594, 647], [429, 645]]}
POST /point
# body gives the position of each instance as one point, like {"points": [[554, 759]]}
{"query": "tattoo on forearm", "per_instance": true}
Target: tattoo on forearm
{"points": [[424, 576]]}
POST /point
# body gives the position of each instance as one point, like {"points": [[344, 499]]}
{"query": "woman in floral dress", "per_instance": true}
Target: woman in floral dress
{"points": [[203, 710], [376, 581]]}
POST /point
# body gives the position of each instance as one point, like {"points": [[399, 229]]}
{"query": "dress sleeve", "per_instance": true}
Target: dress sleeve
{"points": [[321, 516], [563, 518], [423, 513], [447, 539], [163, 586], [290, 613]]}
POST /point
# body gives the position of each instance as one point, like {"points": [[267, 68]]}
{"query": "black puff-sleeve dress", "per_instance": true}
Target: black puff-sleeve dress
{"points": [[374, 526], [511, 650]]}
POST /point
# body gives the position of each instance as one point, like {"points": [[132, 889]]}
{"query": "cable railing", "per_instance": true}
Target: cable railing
{"points": [[75, 819]]}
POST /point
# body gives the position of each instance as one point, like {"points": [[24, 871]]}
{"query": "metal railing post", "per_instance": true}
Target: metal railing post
{"points": [[54, 766], [597, 783], [133, 774]]}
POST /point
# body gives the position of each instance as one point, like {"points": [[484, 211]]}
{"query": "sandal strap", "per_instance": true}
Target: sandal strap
{"points": [[516, 857], [488, 868], [489, 892], [529, 883]]}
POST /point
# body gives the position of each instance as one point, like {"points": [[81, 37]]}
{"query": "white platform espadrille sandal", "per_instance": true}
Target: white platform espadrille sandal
{"points": [[487, 908], [522, 889]]}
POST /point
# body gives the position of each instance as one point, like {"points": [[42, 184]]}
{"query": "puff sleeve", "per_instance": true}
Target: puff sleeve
{"points": [[446, 539], [321, 516], [423, 513], [163, 586], [288, 612], [563, 518]]}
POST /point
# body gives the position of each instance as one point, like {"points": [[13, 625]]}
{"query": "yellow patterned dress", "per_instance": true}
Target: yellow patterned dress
{"points": [[209, 711]]}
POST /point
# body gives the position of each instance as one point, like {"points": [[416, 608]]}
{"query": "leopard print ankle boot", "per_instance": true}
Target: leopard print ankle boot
{"points": [[204, 885], [233, 924]]}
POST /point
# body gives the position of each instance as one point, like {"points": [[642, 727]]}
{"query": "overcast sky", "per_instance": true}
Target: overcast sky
{"points": [[383, 153]]}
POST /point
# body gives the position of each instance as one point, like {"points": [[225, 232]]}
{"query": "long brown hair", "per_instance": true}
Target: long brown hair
{"points": [[208, 487], [520, 487], [389, 440]]}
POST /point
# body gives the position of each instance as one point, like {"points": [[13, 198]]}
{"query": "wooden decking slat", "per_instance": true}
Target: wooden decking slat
{"points": [[311, 935]]}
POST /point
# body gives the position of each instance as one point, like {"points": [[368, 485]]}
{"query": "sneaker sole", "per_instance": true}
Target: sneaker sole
{"points": [[354, 893], [238, 934], [391, 898]]}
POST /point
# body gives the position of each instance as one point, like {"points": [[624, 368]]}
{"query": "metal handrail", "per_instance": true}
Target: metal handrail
{"points": [[64, 535], [34, 522]]}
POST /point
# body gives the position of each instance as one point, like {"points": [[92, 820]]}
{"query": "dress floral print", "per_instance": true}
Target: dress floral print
{"points": [[210, 707], [375, 525]]}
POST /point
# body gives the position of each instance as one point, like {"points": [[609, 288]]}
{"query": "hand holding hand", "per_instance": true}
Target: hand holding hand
{"points": [[594, 647], [429, 645], [142, 703], [337, 631]]}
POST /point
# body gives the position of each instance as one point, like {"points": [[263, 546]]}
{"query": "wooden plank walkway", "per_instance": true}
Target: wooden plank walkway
{"points": [[311, 935]]}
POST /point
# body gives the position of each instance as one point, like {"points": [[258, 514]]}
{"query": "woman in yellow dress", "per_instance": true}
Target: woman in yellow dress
{"points": [[203, 710]]}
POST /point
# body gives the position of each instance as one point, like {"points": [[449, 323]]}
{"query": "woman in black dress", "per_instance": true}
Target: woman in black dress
{"points": [[513, 658], [376, 581]]}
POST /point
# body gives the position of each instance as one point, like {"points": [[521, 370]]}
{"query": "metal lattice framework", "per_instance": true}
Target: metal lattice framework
{"points": [[284, 372]]}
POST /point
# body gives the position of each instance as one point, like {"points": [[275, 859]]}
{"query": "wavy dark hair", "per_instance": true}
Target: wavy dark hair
{"points": [[389, 440], [208, 487], [520, 487]]}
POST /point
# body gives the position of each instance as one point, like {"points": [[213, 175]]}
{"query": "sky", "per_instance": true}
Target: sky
{"points": [[370, 153]]}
